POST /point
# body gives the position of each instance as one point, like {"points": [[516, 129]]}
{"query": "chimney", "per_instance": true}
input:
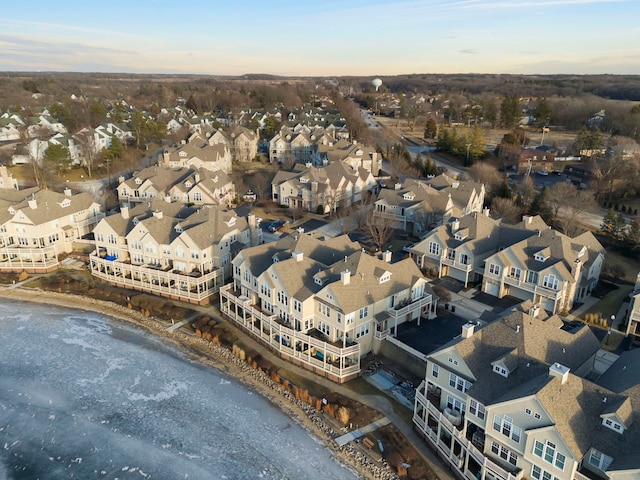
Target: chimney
{"points": [[124, 210], [398, 186], [67, 192], [485, 212], [576, 268], [120, 179], [534, 311], [157, 213], [32, 203], [251, 220], [297, 255], [386, 256], [455, 225], [560, 372], [467, 330], [345, 277], [527, 218], [314, 186], [167, 198], [196, 178]]}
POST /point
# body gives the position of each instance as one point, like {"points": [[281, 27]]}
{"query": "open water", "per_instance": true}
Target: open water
{"points": [[83, 396]]}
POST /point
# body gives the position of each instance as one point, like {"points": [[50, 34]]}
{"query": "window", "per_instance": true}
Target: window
{"points": [[504, 453], [451, 254], [195, 255], [100, 237], [612, 425], [547, 451], [435, 370], [324, 309], [452, 361], [599, 460], [197, 197], [515, 272], [532, 277], [476, 409], [364, 312], [362, 330], [494, 269], [550, 281], [324, 328], [434, 248], [455, 404], [385, 278], [464, 259], [350, 318], [282, 297], [459, 383], [297, 305], [537, 416], [527, 411], [540, 474], [112, 238], [501, 370], [339, 317], [505, 426], [166, 250]]}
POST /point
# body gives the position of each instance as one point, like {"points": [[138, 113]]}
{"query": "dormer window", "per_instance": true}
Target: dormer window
{"points": [[188, 184], [12, 210], [65, 203], [385, 278], [459, 236], [136, 220], [179, 229], [317, 280], [138, 181], [582, 251], [613, 425], [540, 257], [409, 196], [500, 370], [231, 222], [182, 154], [304, 180]]}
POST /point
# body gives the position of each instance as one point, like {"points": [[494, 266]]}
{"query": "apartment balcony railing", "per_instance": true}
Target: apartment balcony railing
{"points": [[431, 425], [400, 311], [313, 353], [452, 263], [531, 287], [635, 316], [32, 259], [89, 221], [193, 287]]}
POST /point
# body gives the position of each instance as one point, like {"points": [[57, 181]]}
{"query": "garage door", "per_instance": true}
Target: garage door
{"points": [[492, 289]]}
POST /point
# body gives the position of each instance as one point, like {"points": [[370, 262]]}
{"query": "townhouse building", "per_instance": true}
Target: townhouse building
{"points": [[298, 144], [549, 268], [39, 226], [459, 248], [322, 189], [184, 185], [357, 155], [510, 400], [198, 151], [242, 142], [170, 250], [418, 205], [495, 404], [322, 303]]}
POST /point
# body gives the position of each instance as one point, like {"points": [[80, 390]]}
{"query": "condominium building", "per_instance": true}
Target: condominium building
{"points": [[170, 250], [510, 400], [323, 303], [37, 226], [418, 205], [549, 268]]}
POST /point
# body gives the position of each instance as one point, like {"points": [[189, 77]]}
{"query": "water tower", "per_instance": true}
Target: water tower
{"points": [[376, 82]]}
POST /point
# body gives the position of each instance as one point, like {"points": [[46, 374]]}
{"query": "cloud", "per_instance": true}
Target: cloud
{"points": [[469, 51]]}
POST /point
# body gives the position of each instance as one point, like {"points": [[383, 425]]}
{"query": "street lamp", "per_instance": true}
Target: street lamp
{"points": [[613, 319]]}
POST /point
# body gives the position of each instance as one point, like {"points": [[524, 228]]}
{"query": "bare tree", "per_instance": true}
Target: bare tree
{"points": [[507, 209], [573, 211], [88, 149], [380, 229]]}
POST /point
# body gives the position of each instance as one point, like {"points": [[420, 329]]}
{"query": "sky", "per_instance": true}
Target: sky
{"points": [[322, 37]]}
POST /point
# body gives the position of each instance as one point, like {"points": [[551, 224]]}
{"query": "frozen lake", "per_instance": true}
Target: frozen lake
{"points": [[83, 396]]}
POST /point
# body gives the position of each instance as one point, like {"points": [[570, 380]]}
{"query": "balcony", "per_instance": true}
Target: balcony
{"points": [[533, 288], [457, 265], [408, 306], [312, 351], [33, 260], [157, 280]]}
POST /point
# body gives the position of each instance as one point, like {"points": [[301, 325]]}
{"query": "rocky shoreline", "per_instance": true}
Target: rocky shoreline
{"points": [[223, 359]]}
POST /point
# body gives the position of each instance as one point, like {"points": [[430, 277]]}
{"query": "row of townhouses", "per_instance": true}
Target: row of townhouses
{"points": [[418, 205], [170, 249], [529, 396], [183, 185], [322, 189], [37, 227], [529, 261], [323, 303]]}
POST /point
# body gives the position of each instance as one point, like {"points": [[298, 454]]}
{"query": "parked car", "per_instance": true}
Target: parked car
{"points": [[543, 173], [275, 225]]}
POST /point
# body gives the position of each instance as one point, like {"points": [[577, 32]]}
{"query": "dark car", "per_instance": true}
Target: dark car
{"points": [[275, 225]]}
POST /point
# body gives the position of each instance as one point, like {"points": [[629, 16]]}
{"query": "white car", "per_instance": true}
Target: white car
{"points": [[543, 173]]}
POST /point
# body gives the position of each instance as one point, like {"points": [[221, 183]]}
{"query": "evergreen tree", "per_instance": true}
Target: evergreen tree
{"points": [[503, 190], [632, 234], [430, 129], [540, 206], [510, 111]]}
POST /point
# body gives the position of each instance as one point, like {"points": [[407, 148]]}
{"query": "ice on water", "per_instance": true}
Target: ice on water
{"points": [[83, 396]]}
